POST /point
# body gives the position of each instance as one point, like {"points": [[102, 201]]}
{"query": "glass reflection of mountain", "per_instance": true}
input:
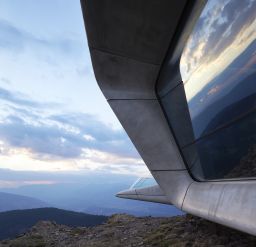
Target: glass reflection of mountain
{"points": [[228, 96], [224, 121], [221, 152], [246, 167]]}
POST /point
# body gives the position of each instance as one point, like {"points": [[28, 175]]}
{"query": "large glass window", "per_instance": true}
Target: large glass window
{"points": [[218, 70]]}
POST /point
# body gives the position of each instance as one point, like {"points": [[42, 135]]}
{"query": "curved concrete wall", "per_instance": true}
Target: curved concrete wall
{"points": [[128, 41]]}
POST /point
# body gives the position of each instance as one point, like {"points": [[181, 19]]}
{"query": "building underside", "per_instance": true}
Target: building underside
{"points": [[194, 128]]}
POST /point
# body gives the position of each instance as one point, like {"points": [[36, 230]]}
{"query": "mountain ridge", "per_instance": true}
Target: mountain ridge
{"points": [[125, 230], [15, 222], [11, 201]]}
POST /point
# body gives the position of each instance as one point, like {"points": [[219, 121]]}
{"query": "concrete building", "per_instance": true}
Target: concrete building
{"points": [[180, 76]]}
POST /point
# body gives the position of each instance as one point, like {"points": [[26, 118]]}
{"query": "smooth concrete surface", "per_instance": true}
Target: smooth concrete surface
{"points": [[141, 32], [127, 195], [151, 190], [157, 199], [147, 127], [137, 29], [151, 194], [174, 184], [124, 78], [147, 198], [177, 112], [230, 203]]}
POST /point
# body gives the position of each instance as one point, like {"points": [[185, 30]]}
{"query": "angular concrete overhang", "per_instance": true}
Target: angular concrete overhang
{"points": [[150, 194], [129, 41]]}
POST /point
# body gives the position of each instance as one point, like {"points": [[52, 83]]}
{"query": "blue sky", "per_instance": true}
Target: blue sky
{"points": [[53, 116]]}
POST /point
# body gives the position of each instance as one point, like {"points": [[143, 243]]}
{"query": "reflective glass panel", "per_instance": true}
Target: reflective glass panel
{"points": [[143, 183], [218, 69]]}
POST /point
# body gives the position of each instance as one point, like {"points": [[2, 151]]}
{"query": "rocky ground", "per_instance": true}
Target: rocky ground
{"points": [[125, 230]]}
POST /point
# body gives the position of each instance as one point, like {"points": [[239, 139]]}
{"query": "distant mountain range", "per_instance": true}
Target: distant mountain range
{"points": [[10, 201], [222, 111], [235, 83], [93, 195], [13, 223]]}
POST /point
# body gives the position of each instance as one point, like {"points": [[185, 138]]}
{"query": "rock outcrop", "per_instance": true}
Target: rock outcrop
{"points": [[125, 230]]}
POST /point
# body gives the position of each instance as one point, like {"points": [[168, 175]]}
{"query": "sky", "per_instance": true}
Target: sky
{"points": [[223, 31], [53, 116]]}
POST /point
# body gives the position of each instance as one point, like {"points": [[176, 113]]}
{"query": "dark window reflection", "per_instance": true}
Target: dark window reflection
{"points": [[218, 69], [176, 108], [228, 153]]}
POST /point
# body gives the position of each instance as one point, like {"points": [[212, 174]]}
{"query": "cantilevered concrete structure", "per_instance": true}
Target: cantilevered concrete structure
{"points": [[141, 57]]}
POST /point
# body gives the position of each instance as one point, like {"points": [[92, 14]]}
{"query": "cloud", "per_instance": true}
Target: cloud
{"points": [[62, 136], [15, 184], [15, 39], [19, 100], [16, 98], [33, 133], [11, 37], [235, 15], [224, 31], [216, 30], [5, 80], [49, 140], [11, 178]]}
